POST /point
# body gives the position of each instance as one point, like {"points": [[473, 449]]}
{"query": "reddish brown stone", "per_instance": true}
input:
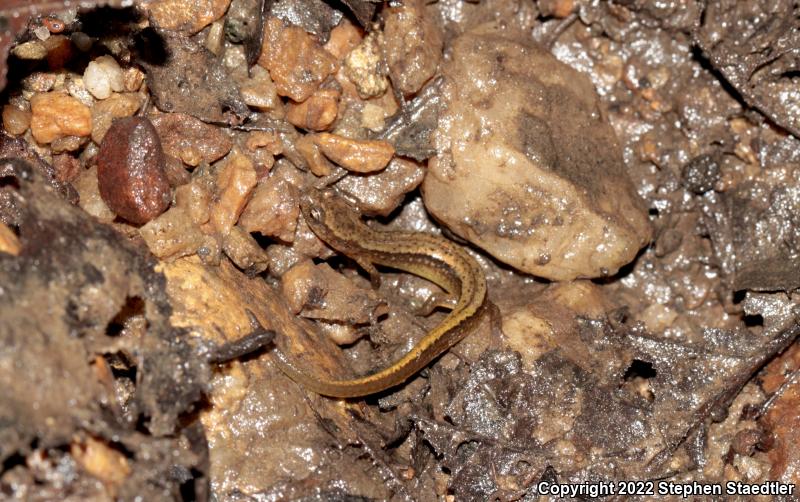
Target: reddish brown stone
{"points": [[130, 171], [59, 51]]}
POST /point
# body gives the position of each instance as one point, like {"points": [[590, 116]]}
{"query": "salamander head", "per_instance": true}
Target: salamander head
{"points": [[330, 216]]}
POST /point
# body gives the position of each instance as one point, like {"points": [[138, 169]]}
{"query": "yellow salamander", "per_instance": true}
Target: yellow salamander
{"points": [[431, 257]]}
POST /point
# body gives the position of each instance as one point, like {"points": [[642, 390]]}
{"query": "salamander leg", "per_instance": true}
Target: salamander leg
{"points": [[495, 318], [435, 301], [374, 277]]}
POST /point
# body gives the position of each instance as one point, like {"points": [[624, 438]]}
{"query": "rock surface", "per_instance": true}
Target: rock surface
{"points": [[526, 169]]}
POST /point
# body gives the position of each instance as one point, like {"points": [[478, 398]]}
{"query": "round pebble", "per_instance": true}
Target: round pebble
{"points": [[130, 171], [103, 76]]}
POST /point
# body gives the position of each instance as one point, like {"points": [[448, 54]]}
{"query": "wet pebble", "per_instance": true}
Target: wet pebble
{"points": [[382, 192], [526, 168], [130, 171], [114, 107], [413, 46], [103, 76], [15, 120], [30, 50], [235, 182], [317, 113], [296, 62], [172, 234], [364, 66], [191, 140], [188, 16], [55, 115], [360, 156], [272, 210], [259, 92], [85, 183], [244, 251]]}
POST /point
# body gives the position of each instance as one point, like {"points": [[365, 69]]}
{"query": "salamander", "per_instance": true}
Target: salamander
{"points": [[431, 257]]}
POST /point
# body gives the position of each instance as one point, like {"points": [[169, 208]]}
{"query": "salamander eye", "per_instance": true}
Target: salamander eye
{"points": [[317, 213]]}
